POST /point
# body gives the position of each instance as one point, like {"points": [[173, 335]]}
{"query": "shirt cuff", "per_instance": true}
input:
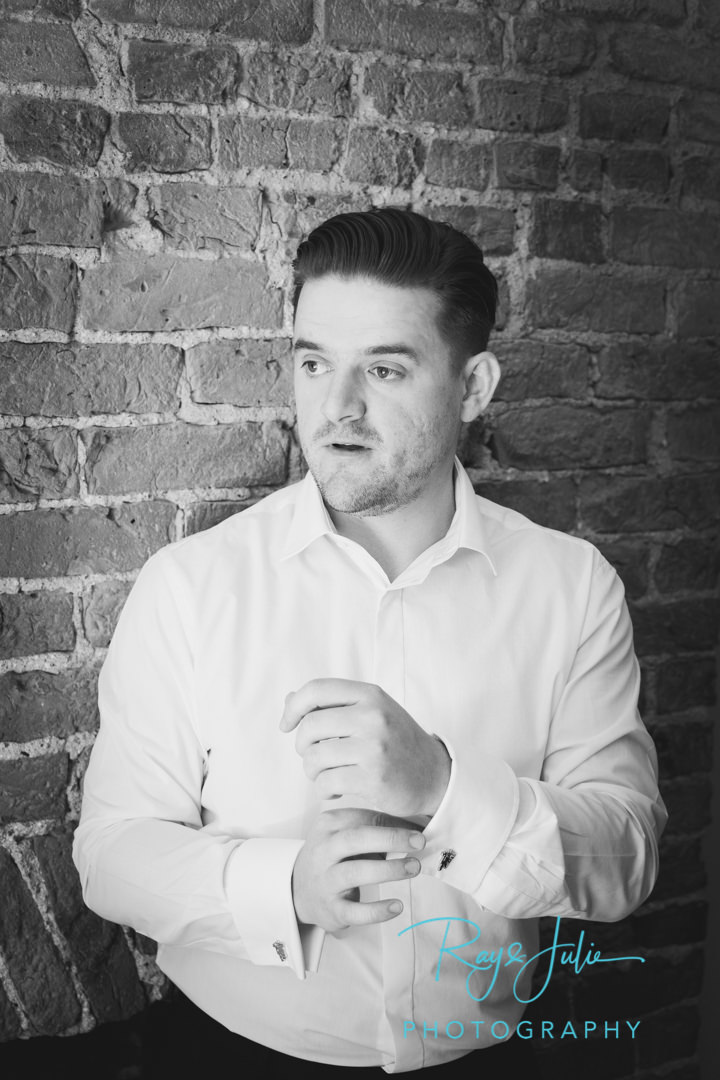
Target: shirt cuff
{"points": [[258, 885], [473, 821]]}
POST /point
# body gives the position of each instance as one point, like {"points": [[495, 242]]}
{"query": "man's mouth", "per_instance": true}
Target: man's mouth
{"points": [[346, 447]]}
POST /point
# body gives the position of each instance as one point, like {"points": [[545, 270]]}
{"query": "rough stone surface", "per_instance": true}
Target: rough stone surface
{"points": [[315, 146], [44, 53], [553, 46], [688, 564], [684, 684], [630, 561], [10, 1025], [569, 437], [33, 623], [34, 964], [693, 435], [164, 71], [68, 133], [654, 55], [287, 21], [533, 166], [521, 106], [37, 291], [305, 83], [161, 292], [676, 626], [171, 456], [37, 462], [491, 228], [664, 12], [633, 504], [567, 230], [59, 9], [32, 789], [248, 142], [382, 157], [83, 540], [166, 143], [102, 609], [105, 965], [457, 164], [51, 379], [431, 97], [585, 170], [240, 372], [35, 704], [699, 309], [639, 170], [538, 369], [701, 178], [652, 237], [548, 502], [583, 299], [699, 118], [667, 372], [205, 515], [39, 209], [624, 117], [195, 217]]}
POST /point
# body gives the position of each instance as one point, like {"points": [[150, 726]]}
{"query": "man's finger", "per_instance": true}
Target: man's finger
{"points": [[326, 724], [355, 913], [370, 839], [319, 694]]}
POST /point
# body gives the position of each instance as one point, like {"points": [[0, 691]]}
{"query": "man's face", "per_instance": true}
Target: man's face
{"points": [[378, 398]]}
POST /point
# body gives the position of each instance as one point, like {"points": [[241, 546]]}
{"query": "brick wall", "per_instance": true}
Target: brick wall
{"points": [[158, 164]]}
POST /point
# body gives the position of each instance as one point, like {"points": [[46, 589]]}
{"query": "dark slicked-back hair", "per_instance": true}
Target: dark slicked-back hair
{"points": [[399, 247]]}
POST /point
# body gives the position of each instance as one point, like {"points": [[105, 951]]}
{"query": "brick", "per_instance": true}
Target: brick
{"points": [[101, 610], [242, 372], [687, 564], [205, 515], [520, 106], [295, 214], [39, 52], [248, 142], [51, 379], [456, 164], [37, 291], [657, 56], [553, 46], [32, 789], [683, 746], [10, 1024], [166, 71], [314, 146], [584, 299], [59, 9], [166, 143], [63, 132], [669, 1035], [431, 97], [639, 234], [167, 456], [623, 117], [548, 502], [314, 83], [80, 540], [664, 12], [682, 871], [630, 561], [567, 230], [35, 704], [684, 684], [37, 971], [415, 32], [608, 990], [700, 178], [709, 17], [162, 292], [676, 626], [570, 437], [664, 372], [633, 504], [694, 434], [287, 21], [105, 965], [539, 369], [688, 802], [699, 118], [639, 170], [533, 166], [195, 217], [382, 157], [585, 170], [34, 623], [37, 462], [698, 309], [36, 208], [491, 228]]}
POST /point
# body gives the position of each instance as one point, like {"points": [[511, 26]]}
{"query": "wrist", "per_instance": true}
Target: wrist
{"points": [[441, 774]]}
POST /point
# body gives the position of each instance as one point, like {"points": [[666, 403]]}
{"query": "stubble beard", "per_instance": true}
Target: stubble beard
{"points": [[386, 489]]}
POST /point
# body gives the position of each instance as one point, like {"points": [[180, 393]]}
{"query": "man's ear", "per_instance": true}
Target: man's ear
{"points": [[481, 374]]}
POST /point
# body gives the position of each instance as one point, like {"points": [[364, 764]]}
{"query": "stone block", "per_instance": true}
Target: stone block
{"points": [[42, 53], [314, 145], [37, 463], [37, 291], [567, 230], [194, 217], [34, 623], [244, 372], [639, 170], [669, 371], [525, 165], [102, 608], [693, 434], [378, 156], [698, 309], [657, 56], [458, 164], [36, 704], [553, 45], [36, 208], [286, 21], [32, 789], [623, 117], [548, 502], [585, 299], [688, 564], [632, 504], [539, 369], [167, 71], [314, 83], [509, 105], [67, 133], [639, 234], [686, 683], [699, 118], [205, 515], [417, 97], [166, 143], [673, 627], [568, 436], [491, 228]]}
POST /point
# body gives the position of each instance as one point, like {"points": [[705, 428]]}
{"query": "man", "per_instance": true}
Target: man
{"points": [[357, 738]]}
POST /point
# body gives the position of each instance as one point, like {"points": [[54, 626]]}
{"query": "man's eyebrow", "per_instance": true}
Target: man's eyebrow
{"points": [[398, 349], [301, 343]]}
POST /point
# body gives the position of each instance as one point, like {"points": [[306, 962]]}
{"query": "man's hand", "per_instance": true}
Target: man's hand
{"points": [[345, 849], [355, 740]]}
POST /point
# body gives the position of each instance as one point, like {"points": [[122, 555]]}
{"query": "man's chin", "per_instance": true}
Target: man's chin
{"points": [[345, 497]]}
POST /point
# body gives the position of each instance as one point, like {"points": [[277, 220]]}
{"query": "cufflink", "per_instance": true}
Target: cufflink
{"points": [[446, 858], [280, 949]]}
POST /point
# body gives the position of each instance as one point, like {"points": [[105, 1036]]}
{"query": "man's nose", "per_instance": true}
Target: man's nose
{"points": [[344, 399]]}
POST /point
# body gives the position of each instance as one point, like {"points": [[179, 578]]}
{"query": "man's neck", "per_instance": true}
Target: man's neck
{"points": [[397, 538]]}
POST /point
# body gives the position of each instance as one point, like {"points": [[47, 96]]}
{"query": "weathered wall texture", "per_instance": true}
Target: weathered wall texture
{"points": [[158, 163]]}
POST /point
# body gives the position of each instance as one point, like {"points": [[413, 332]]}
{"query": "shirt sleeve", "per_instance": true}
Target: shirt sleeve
{"points": [[581, 841], [144, 857]]}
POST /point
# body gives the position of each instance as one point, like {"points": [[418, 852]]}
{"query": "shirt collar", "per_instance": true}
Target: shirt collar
{"points": [[467, 528]]}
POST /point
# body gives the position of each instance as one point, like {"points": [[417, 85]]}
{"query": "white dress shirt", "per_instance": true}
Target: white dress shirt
{"points": [[509, 641]]}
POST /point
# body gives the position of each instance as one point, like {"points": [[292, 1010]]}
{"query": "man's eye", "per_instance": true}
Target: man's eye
{"points": [[312, 367], [385, 373]]}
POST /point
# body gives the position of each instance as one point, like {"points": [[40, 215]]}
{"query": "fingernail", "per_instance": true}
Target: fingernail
{"points": [[412, 866], [417, 840], [395, 907]]}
